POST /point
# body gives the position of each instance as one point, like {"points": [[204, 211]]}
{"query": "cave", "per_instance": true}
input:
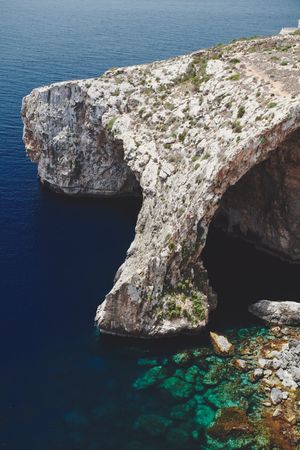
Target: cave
{"points": [[252, 250]]}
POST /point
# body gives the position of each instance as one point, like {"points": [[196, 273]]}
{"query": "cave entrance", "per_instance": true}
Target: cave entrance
{"points": [[252, 250]]}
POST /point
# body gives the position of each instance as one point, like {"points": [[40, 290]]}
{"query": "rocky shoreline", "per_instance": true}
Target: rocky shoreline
{"points": [[248, 398]]}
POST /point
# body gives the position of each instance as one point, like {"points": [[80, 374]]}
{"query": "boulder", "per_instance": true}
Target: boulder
{"points": [[282, 313], [221, 344]]}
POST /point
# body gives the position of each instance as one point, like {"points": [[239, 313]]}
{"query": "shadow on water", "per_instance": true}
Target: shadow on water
{"points": [[242, 275]]}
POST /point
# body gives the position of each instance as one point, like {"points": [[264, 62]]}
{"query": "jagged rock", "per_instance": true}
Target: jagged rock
{"points": [[183, 132], [221, 344], [284, 313]]}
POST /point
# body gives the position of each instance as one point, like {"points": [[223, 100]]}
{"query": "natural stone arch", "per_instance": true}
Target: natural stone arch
{"points": [[229, 114], [183, 261]]}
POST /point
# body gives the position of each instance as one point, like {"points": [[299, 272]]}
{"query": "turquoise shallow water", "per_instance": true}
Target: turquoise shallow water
{"points": [[62, 387], [183, 396]]}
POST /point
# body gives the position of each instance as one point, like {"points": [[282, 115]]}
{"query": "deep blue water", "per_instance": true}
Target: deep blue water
{"points": [[59, 255]]}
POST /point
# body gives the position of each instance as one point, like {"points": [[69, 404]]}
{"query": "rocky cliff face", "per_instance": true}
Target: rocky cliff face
{"points": [[264, 206], [182, 132]]}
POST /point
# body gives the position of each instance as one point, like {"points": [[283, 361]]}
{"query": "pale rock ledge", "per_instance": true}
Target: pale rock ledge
{"points": [[180, 133]]}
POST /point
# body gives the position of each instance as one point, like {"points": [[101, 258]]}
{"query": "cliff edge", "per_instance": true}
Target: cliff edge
{"points": [[181, 133]]}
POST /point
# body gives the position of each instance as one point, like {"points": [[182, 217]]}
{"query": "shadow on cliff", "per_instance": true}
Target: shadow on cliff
{"points": [[241, 275]]}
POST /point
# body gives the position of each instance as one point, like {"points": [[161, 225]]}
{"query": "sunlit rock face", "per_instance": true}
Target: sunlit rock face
{"points": [[183, 131], [264, 206], [76, 155]]}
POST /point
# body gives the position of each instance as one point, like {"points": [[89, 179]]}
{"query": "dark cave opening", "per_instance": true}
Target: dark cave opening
{"points": [[252, 250], [241, 274]]}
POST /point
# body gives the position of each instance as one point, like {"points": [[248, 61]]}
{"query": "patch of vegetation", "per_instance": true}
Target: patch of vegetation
{"points": [[235, 61], [272, 105], [284, 48], [263, 140], [148, 91], [236, 126], [111, 123], [206, 155], [250, 38], [241, 112], [169, 105], [116, 93], [195, 73], [284, 63], [182, 136], [235, 77]]}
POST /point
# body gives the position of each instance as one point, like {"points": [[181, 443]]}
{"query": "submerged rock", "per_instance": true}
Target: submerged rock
{"points": [[231, 423], [283, 313], [221, 344], [151, 377], [203, 135], [177, 388], [180, 412], [204, 416]]}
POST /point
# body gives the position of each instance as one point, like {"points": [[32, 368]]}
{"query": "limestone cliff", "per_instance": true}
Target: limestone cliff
{"points": [[181, 133]]}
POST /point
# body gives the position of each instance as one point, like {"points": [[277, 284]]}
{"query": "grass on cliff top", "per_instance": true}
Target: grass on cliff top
{"points": [[111, 123], [195, 73]]}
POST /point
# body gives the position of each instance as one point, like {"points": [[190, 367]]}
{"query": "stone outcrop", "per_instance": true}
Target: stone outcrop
{"points": [[277, 313], [221, 344], [180, 132]]}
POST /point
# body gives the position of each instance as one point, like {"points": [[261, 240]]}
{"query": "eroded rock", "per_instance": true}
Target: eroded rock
{"points": [[182, 132]]}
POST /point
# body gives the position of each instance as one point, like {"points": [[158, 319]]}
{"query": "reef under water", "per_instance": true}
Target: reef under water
{"points": [[198, 400]]}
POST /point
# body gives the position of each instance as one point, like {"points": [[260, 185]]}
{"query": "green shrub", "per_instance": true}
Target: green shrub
{"points": [[235, 77], [182, 136], [169, 105], [241, 112], [236, 126], [111, 123]]}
